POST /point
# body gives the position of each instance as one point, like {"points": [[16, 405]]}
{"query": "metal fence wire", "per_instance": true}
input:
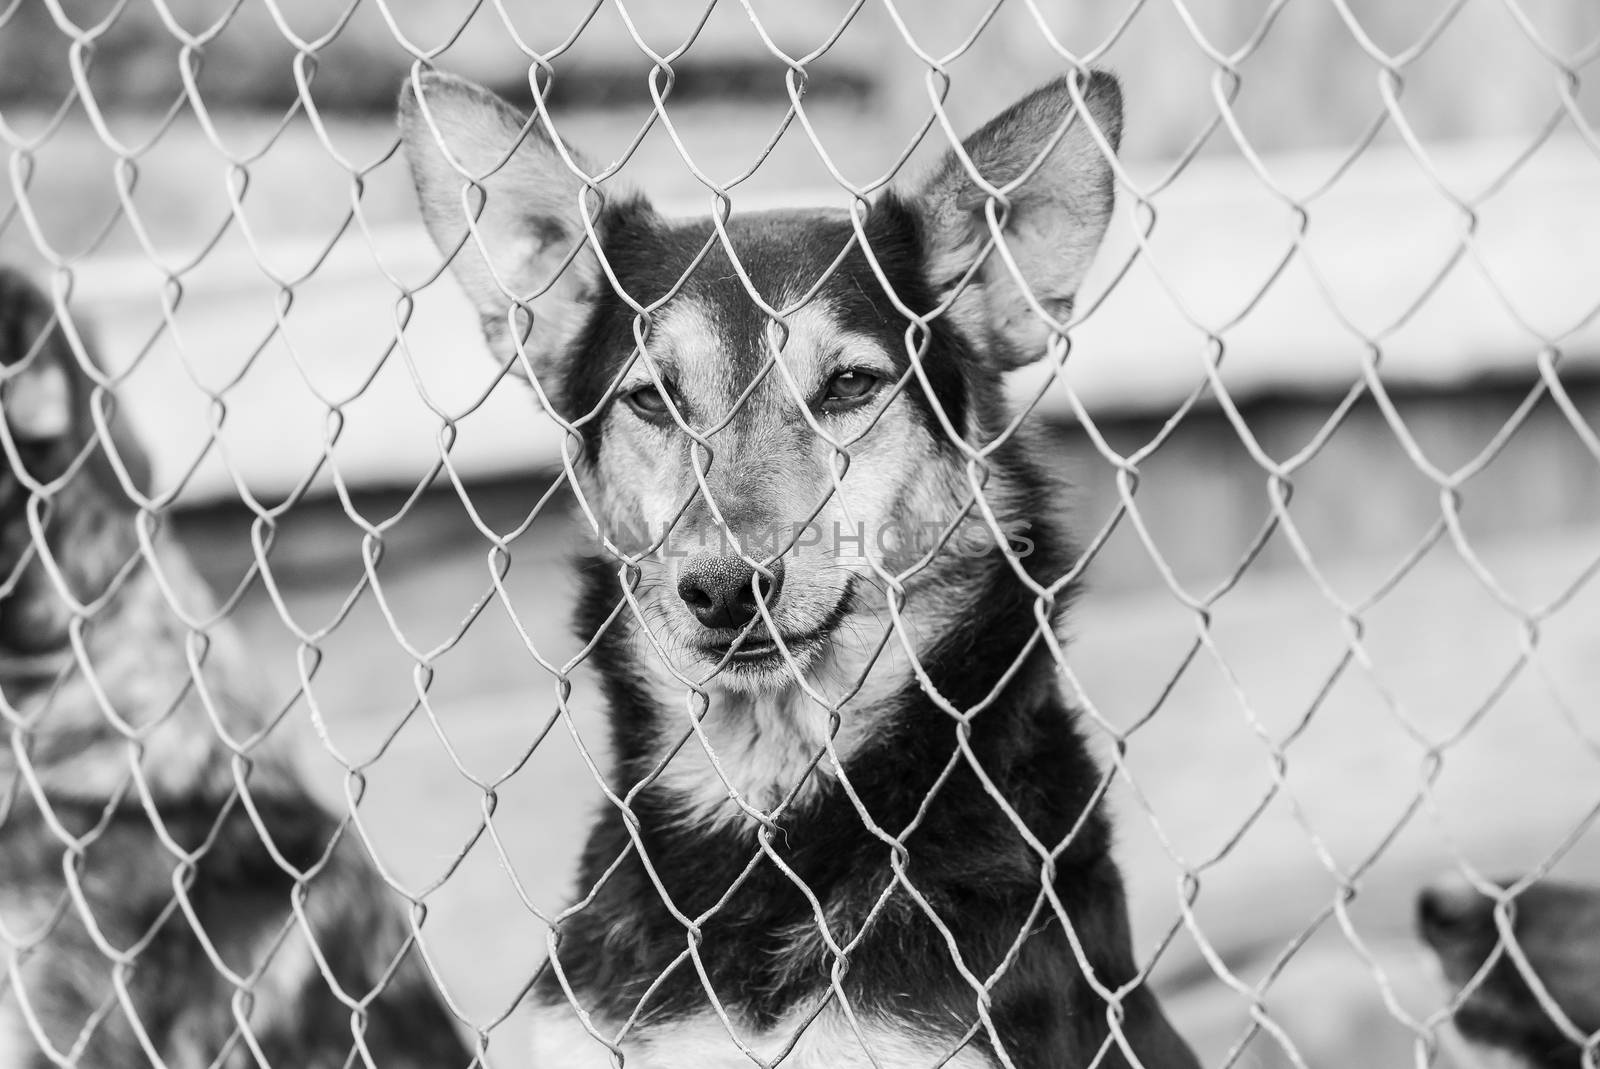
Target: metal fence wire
{"points": [[178, 888]]}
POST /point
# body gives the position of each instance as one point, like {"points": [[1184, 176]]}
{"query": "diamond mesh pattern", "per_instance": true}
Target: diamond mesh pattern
{"points": [[1295, 761]]}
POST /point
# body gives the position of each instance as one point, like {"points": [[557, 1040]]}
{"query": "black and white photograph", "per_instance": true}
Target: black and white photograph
{"points": [[843, 534]]}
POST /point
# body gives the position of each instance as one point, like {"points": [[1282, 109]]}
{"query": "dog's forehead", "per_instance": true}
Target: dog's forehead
{"points": [[791, 247], [717, 313], [709, 295], [772, 258]]}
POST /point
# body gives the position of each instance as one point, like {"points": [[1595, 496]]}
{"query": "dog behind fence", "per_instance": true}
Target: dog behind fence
{"points": [[170, 892]]}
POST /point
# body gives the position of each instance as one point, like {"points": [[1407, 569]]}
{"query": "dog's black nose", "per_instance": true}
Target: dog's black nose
{"points": [[721, 591], [1452, 906]]}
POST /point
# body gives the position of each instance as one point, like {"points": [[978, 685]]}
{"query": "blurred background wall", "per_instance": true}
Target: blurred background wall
{"points": [[262, 195], [1309, 84]]}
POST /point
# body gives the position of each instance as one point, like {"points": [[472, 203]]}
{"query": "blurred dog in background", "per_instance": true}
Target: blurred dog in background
{"points": [[1500, 1017], [170, 892]]}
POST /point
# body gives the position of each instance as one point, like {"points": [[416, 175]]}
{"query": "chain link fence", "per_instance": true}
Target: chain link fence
{"points": [[1327, 398]]}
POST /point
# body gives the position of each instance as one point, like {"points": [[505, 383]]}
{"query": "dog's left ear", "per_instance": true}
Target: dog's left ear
{"points": [[1058, 213]]}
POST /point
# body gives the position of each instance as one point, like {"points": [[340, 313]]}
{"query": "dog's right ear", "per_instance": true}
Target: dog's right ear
{"points": [[497, 194]]}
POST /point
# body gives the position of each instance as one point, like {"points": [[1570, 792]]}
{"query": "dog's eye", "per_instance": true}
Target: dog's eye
{"points": [[647, 403], [849, 388]]}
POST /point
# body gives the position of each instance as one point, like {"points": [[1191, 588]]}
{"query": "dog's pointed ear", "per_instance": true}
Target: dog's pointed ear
{"points": [[46, 396], [496, 192], [1048, 161]]}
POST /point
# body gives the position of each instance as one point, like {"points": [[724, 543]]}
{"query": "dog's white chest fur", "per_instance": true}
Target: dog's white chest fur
{"points": [[703, 1042], [763, 750], [770, 747]]}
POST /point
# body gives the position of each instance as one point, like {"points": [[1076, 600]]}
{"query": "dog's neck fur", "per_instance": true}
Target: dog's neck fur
{"points": [[85, 711], [89, 537]]}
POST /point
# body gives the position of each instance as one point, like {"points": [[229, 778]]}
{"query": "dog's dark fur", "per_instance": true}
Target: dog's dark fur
{"points": [[1556, 926], [94, 865], [715, 887]]}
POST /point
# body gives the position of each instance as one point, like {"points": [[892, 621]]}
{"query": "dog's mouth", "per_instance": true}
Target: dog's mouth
{"points": [[757, 648], [762, 650]]}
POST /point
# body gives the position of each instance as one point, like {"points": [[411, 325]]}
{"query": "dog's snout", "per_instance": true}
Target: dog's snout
{"points": [[722, 591], [1451, 906]]}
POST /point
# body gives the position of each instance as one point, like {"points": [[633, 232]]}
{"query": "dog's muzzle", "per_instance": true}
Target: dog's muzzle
{"points": [[725, 593]]}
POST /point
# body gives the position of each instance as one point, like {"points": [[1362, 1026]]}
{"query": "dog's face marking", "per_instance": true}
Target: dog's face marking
{"points": [[769, 444]]}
